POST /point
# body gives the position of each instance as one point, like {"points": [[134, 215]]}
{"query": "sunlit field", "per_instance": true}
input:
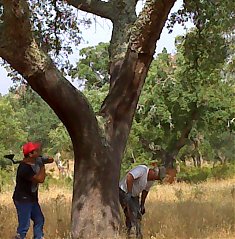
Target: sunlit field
{"points": [[178, 211]]}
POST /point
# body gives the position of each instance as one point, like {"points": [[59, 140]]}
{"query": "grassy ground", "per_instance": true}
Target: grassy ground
{"points": [[179, 211]]}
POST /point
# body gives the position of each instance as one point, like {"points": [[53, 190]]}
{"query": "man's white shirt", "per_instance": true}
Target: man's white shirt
{"points": [[140, 174]]}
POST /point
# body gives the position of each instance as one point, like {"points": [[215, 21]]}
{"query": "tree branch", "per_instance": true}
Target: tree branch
{"points": [[128, 76], [16, 39], [97, 7], [149, 25], [187, 129]]}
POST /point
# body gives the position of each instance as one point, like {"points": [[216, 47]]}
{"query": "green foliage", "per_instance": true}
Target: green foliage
{"points": [[62, 182], [213, 16], [11, 132], [186, 95], [196, 175], [174, 95], [223, 145], [55, 25], [59, 139], [223, 171], [7, 177], [96, 96], [24, 116], [92, 68], [36, 117]]}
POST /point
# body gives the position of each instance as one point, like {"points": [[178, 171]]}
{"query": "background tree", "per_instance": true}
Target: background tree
{"points": [[92, 68], [59, 139], [11, 132], [165, 102], [37, 119]]}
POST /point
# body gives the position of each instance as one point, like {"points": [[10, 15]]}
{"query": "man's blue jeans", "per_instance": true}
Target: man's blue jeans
{"points": [[25, 212]]}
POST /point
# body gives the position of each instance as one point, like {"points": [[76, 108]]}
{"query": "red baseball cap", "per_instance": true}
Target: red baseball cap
{"points": [[30, 147]]}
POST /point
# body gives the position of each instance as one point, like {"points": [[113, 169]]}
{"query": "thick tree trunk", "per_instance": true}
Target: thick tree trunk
{"points": [[95, 208], [176, 144]]}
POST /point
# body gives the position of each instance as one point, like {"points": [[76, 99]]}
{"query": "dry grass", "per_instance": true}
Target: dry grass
{"points": [[178, 211], [182, 211], [55, 204]]}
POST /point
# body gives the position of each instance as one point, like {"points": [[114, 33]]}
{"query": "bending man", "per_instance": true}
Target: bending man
{"points": [[133, 190]]}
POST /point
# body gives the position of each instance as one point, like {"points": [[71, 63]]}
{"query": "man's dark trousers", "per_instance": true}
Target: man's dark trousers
{"points": [[25, 212], [132, 211]]}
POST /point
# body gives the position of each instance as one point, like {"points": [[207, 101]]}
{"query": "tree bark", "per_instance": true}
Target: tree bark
{"points": [[95, 208], [127, 76], [122, 14]]}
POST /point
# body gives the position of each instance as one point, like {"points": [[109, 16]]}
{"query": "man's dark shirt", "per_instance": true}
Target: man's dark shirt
{"points": [[25, 189]]}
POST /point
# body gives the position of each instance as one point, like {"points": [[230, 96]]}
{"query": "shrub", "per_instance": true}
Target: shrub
{"points": [[7, 178], [223, 171], [196, 175]]}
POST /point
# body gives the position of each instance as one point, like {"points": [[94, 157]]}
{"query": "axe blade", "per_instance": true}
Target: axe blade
{"points": [[9, 156]]}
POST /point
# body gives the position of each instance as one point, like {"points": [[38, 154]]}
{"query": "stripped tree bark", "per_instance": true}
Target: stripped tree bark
{"points": [[95, 207]]}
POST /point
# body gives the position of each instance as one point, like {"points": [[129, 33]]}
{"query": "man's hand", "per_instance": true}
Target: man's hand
{"points": [[142, 202], [142, 209], [50, 160], [46, 159]]}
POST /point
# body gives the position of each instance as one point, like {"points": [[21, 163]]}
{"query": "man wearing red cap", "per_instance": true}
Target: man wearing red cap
{"points": [[30, 173]]}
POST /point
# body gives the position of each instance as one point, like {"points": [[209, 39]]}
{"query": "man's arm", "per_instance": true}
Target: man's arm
{"points": [[143, 197], [142, 201], [40, 176], [45, 159], [129, 182]]}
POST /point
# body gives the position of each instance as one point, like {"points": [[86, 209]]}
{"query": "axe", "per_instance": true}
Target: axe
{"points": [[11, 157]]}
